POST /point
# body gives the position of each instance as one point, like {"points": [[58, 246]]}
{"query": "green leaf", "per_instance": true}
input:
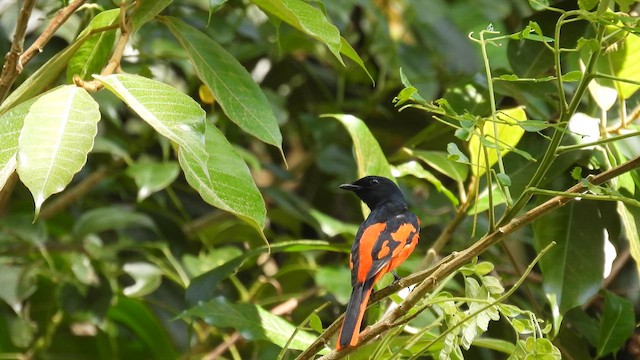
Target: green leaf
{"points": [[10, 126], [225, 182], [587, 4], [369, 156], [573, 269], [56, 137], [572, 76], [94, 53], [110, 218], [630, 217], [503, 346], [307, 19], [508, 135], [18, 283], [151, 177], [143, 326], [348, 51], [622, 62], [414, 168], [170, 112], [440, 162], [455, 154], [147, 10], [616, 325], [204, 286], [211, 165], [148, 278], [234, 89], [252, 321]]}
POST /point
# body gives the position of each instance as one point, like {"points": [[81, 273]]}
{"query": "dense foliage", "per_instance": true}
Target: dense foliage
{"points": [[169, 177]]}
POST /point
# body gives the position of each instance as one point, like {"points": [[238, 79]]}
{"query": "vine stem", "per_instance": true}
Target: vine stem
{"points": [[565, 115], [427, 279]]}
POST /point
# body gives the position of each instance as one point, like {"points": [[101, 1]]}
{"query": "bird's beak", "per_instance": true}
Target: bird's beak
{"points": [[350, 187]]}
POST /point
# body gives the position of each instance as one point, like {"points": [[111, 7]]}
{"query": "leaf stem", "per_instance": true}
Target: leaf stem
{"points": [[565, 115]]}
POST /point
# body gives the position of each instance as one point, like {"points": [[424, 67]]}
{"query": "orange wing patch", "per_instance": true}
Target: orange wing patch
{"points": [[367, 242], [384, 249], [408, 237]]}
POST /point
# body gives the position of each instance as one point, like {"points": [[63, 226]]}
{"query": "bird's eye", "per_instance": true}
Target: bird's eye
{"points": [[374, 181]]}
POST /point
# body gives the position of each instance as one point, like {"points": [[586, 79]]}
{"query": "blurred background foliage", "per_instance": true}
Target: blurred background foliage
{"points": [[139, 266]]}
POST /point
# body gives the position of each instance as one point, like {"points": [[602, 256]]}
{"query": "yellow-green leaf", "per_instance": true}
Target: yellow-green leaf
{"points": [[507, 136], [56, 137]]}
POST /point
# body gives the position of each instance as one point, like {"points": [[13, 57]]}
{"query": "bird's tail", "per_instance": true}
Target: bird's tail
{"points": [[350, 331]]}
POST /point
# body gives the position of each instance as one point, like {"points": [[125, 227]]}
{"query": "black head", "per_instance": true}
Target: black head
{"points": [[375, 190]]}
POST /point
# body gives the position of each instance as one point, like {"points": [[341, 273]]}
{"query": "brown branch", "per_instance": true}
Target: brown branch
{"points": [[12, 66], [126, 26], [60, 18], [451, 263]]}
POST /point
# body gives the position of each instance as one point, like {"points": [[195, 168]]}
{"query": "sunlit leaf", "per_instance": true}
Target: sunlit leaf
{"points": [[148, 278], [170, 112], [56, 137], [239, 96], [508, 135], [252, 321], [10, 126], [225, 181]]}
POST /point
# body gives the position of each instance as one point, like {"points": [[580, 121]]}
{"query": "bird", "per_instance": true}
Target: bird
{"points": [[384, 241]]}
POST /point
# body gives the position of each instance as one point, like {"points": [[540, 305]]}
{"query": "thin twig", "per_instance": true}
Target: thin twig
{"points": [[68, 197], [60, 18], [12, 66]]}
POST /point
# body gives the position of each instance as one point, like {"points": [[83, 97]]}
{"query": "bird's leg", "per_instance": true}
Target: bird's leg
{"points": [[396, 277]]}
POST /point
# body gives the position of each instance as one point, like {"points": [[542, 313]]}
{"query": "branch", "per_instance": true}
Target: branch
{"points": [[12, 66], [60, 18], [429, 278]]}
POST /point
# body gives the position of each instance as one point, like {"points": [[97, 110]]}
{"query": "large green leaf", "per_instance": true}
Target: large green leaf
{"points": [[307, 19], [93, 54], [144, 327], [56, 137], [234, 89], [114, 217], [573, 269], [147, 10], [623, 63], [369, 156], [225, 182], [616, 325], [210, 163], [508, 135], [252, 321], [10, 126], [170, 112]]}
